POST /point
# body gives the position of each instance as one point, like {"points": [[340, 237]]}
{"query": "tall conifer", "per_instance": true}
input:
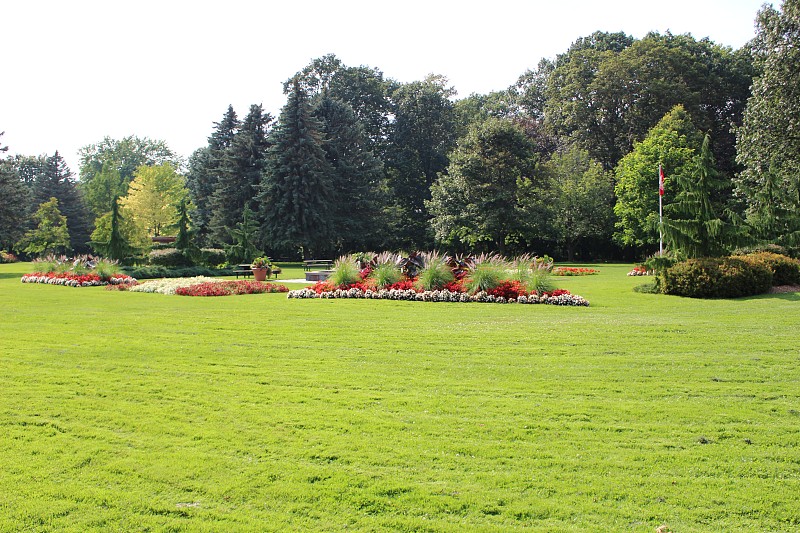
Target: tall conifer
{"points": [[296, 194], [240, 171]]}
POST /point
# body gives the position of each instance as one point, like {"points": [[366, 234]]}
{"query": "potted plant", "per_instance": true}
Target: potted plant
{"points": [[262, 268]]}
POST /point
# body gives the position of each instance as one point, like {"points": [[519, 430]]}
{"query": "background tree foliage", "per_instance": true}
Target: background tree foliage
{"points": [[673, 143], [359, 160], [768, 143], [50, 236], [577, 195], [296, 192], [153, 198], [475, 203], [422, 136]]}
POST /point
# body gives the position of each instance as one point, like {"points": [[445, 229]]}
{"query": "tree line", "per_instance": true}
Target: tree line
{"points": [[565, 161]]}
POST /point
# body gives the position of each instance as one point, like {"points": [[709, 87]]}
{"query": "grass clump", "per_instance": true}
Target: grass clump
{"points": [[345, 271], [386, 270], [435, 274], [486, 273]]}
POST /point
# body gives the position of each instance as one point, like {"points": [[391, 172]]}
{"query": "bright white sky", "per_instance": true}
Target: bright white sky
{"points": [[76, 71]]}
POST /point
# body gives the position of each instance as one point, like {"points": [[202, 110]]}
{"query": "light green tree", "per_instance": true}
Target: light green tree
{"points": [[50, 235], [672, 143], [153, 198]]}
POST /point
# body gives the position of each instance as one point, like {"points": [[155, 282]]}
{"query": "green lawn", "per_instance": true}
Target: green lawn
{"points": [[143, 412]]}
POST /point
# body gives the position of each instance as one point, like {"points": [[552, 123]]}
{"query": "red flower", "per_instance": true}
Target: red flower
{"points": [[508, 290]]}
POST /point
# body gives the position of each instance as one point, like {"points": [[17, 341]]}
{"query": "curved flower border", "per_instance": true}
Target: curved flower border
{"points": [[564, 298], [73, 280]]}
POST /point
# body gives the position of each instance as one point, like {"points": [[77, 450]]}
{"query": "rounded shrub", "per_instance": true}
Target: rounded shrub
{"points": [[168, 257], [212, 256], [715, 277], [785, 270]]}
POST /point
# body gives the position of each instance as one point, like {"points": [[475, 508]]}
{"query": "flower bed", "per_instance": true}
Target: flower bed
{"points": [[431, 277], [169, 285], [574, 271], [7, 257], [227, 288], [203, 286], [505, 295], [68, 279], [641, 270]]}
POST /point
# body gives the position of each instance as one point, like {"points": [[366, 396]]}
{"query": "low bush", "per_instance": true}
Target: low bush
{"points": [[150, 272], [785, 270], [725, 277], [7, 257], [212, 256], [168, 257]]}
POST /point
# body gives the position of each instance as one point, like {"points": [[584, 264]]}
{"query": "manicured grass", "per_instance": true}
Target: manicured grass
{"points": [[125, 411]]}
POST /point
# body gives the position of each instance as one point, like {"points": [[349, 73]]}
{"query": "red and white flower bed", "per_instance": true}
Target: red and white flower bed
{"points": [[75, 280], [556, 297]]}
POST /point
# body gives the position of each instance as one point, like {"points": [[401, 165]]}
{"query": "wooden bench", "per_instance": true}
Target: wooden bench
{"points": [[317, 264], [243, 270]]}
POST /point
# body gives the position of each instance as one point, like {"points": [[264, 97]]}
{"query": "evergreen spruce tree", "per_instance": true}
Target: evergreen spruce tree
{"points": [[244, 237], [203, 173], [13, 203], [184, 235], [693, 225], [117, 246], [296, 193], [358, 186], [55, 179], [239, 174]]}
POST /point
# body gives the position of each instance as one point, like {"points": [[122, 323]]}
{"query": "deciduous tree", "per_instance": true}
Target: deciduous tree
{"points": [[153, 198], [475, 203], [50, 235], [576, 196], [768, 143], [422, 136]]}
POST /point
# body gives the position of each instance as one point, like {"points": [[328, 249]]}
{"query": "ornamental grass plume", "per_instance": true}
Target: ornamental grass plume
{"points": [[386, 274], [541, 270], [487, 272], [345, 271], [435, 273]]}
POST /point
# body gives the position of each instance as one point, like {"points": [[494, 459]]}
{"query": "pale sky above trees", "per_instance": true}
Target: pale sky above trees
{"points": [[75, 72]]}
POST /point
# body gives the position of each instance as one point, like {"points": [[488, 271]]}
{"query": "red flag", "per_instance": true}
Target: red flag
{"points": [[660, 181]]}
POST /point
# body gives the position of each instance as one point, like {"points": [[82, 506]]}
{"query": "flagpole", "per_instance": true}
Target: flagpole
{"points": [[660, 215]]}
